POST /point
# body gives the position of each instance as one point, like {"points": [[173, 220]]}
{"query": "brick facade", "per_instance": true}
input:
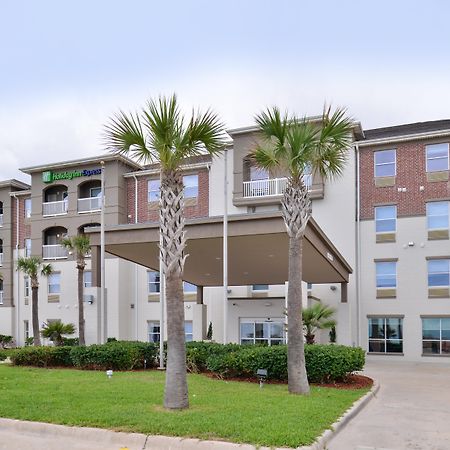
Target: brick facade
{"points": [[24, 223], [411, 174], [148, 212]]}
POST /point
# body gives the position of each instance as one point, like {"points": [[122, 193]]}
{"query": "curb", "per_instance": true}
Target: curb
{"points": [[337, 426]]}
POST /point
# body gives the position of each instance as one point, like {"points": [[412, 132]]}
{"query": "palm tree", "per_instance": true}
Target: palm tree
{"points": [[80, 244], [296, 147], [160, 134], [33, 266], [317, 317], [55, 331]]}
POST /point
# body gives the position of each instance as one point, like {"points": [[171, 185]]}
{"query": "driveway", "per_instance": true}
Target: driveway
{"points": [[411, 410]]}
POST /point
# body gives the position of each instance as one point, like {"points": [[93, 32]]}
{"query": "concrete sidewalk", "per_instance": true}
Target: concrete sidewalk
{"points": [[411, 410]]}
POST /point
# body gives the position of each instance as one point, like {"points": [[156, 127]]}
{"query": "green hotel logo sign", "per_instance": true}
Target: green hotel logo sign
{"points": [[49, 176]]}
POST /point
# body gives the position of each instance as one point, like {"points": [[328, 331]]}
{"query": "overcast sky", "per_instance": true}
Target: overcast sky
{"points": [[66, 66]]}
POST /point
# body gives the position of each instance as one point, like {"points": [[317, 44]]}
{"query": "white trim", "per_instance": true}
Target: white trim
{"points": [[157, 171]]}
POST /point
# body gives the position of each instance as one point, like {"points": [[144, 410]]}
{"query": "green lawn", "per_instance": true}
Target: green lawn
{"points": [[131, 401]]}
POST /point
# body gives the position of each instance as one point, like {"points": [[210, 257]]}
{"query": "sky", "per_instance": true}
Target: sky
{"points": [[67, 66]]}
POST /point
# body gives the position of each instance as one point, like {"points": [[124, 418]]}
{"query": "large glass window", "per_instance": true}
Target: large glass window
{"points": [[436, 336], [437, 215], [153, 280], [154, 331], [385, 164], [87, 278], [28, 208], [190, 186], [385, 335], [386, 274], [438, 273], [26, 286], [385, 219], [154, 190], [27, 247], [54, 283], [188, 331], [260, 331], [437, 157]]}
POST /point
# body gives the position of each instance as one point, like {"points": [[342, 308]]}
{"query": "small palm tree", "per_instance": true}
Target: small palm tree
{"points": [[317, 317], [80, 244], [56, 330], [160, 134], [297, 147], [33, 266]]}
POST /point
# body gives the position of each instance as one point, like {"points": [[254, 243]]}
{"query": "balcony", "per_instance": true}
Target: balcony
{"points": [[270, 187], [54, 251], [54, 208], [90, 204]]}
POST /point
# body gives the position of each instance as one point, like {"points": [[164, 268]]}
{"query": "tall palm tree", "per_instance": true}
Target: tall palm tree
{"points": [[317, 317], [296, 147], [160, 134], [33, 266], [81, 245]]}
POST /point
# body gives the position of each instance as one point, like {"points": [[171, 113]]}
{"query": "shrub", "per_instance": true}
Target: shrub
{"points": [[5, 340], [197, 354], [42, 356], [70, 342]]}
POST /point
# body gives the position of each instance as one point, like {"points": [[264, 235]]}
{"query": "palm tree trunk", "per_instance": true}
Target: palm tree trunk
{"points": [[35, 316], [176, 393], [173, 241], [297, 378], [81, 338]]}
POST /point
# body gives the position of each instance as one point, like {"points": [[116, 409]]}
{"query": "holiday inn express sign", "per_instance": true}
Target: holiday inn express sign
{"points": [[49, 176]]}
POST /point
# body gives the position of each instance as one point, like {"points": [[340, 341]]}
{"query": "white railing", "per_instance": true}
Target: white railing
{"points": [[54, 208], [270, 187], [1, 259], [89, 204], [55, 251], [1, 297], [1, 220]]}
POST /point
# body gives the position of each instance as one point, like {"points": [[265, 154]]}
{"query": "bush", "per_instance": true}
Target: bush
{"points": [[70, 342], [197, 354], [5, 340], [42, 356]]}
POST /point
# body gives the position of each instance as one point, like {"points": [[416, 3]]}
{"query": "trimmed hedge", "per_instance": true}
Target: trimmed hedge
{"points": [[42, 356]]}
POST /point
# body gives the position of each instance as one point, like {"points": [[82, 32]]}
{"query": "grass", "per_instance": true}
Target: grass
{"points": [[132, 402]]}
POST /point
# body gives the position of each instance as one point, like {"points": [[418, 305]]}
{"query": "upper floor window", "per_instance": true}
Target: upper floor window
{"points": [[385, 163], [87, 278], [437, 215], [439, 273], [190, 186], [26, 286], [27, 247], [256, 173], [54, 283], [27, 208], [385, 219], [153, 281], [154, 190], [437, 157], [386, 274]]}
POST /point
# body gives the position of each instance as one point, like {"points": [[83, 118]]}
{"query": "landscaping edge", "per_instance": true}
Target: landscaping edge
{"points": [[141, 441]]}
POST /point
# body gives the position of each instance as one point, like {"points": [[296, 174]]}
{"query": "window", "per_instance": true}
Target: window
{"points": [[54, 283], [437, 157], [256, 173], [260, 287], [385, 162], [436, 336], [386, 274], [386, 335], [385, 219], [439, 273], [153, 281], [260, 331], [188, 287], [28, 208], [437, 215], [95, 192], [188, 331], [190, 186], [87, 278], [154, 187], [154, 332], [27, 248], [26, 330], [26, 286]]}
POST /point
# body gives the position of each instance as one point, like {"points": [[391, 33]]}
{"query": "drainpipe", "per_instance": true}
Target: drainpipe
{"points": [[136, 269], [225, 250], [358, 247], [16, 275]]}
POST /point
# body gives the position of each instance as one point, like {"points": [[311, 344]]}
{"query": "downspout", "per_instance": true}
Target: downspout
{"points": [[16, 275], [136, 269], [358, 246]]}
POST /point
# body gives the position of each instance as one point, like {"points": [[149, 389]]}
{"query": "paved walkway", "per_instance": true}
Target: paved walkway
{"points": [[411, 410]]}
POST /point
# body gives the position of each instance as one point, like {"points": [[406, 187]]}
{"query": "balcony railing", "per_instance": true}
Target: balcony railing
{"points": [[1, 297], [1, 259], [55, 251], [1, 220], [54, 208], [270, 187], [89, 204]]}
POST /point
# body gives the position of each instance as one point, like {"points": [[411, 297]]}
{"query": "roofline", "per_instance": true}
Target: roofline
{"points": [[20, 193], [141, 173], [404, 138], [87, 160], [14, 183]]}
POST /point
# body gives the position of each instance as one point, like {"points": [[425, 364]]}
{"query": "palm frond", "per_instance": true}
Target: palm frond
{"points": [[46, 270], [264, 157], [272, 124]]}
